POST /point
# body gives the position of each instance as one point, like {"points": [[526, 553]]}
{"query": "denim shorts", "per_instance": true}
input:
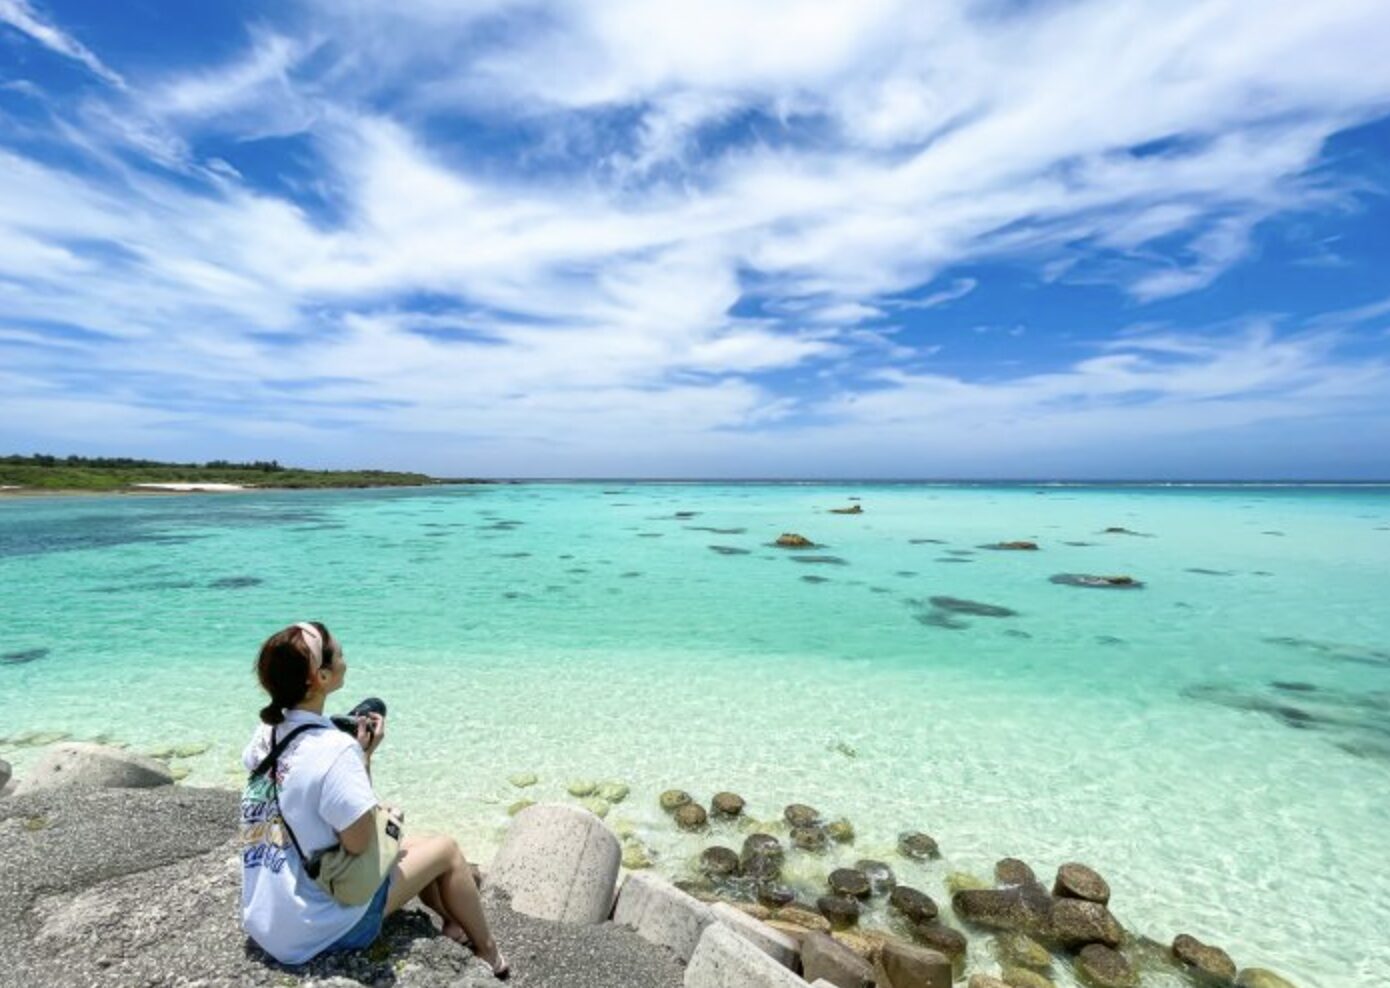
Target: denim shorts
{"points": [[365, 931]]}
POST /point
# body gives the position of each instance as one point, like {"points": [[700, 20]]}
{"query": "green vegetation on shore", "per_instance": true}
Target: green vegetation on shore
{"points": [[80, 473]]}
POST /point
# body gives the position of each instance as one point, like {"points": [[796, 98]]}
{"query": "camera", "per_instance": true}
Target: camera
{"points": [[348, 721]]}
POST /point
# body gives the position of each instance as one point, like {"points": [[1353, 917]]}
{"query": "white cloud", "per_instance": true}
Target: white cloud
{"points": [[21, 15]]}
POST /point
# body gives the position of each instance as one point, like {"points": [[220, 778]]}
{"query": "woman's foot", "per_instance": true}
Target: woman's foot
{"points": [[456, 933], [497, 964]]}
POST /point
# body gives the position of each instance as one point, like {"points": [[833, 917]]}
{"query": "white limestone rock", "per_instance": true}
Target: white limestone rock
{"points": [[723, 959], [662, 914], [558, 862], [776, 944], [86, 764]]}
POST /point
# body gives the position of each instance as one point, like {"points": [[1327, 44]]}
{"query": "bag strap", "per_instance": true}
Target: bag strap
{"points": [[272, 762], [278, 748]]}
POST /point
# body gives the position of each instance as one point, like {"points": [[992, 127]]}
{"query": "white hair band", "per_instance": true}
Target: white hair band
{"points": [[315, 639]]}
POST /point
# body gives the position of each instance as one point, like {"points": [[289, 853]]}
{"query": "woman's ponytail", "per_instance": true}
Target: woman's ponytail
{"points": [[283, 668]]}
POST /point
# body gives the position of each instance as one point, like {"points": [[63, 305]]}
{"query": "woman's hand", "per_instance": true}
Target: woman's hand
{"points": [[371, 731]]}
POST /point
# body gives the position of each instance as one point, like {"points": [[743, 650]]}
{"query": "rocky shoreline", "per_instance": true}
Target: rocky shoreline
{"points": [[115, 876]]}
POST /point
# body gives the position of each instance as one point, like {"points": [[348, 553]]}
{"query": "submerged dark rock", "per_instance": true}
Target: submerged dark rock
{"points": [[918, 846], [958, 605], [821, 560], [24, 655], [1096, 582], [1078, 881], [1012, 871], [1338, 651], [880, 875], [917, 906], [1020, 545], [1105, 967], [730, 550], [841, 911], [235, 582], [941, 619], [1211, 965], [927, 541], [719, 862], [849, 882], [809, 838]]}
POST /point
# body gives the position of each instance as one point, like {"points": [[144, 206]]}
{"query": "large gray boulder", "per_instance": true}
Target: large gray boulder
{"points": [[5, 773], [82, 763], [559, 863], [662, 914], [723, 959]]}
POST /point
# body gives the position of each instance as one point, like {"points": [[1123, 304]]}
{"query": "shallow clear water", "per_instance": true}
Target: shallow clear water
{"points": [[584, 631]]}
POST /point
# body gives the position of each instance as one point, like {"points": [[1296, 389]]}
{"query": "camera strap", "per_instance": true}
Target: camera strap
{"points": [[271, 763]]}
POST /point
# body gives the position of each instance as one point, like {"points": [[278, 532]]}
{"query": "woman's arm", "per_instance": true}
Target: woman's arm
{"points": [[357, 836]]}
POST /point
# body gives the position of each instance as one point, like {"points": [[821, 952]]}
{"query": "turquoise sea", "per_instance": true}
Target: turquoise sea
{"points": [[1215, 742]]}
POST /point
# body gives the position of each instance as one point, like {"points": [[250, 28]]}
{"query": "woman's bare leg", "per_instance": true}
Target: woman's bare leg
{"points": [[436, 865]]}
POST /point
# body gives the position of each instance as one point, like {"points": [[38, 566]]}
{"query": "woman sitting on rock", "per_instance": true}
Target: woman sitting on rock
{"points": [[317, 796]]}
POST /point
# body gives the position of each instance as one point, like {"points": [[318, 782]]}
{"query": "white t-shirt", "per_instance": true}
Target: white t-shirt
{"points": [[323, 788]]}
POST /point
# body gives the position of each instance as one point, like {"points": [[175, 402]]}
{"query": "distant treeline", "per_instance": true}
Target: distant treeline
{"points": [[83, 473], [125, 462]]}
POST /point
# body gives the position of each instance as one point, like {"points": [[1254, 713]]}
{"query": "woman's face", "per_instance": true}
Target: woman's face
{"points": [[329, 678]]}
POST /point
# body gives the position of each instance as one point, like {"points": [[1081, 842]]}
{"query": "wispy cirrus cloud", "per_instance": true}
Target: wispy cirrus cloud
{"points": [[567, 224], [21, 15]]}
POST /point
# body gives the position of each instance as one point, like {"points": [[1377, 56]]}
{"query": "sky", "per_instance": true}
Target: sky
{"points": [[633, 238]]}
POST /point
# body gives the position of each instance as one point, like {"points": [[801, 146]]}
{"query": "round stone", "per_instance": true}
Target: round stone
{"points": [[774, 894], [918, 846], [761, 843], [691, 816], [1103, 967], [1012, 871], [1259, 977], [1077, 881], [674, 799], [939, 936], [850, 882], [917, 906], [880, 875], [727, 804], [841, 911], [1207, 961], [718, 862], [583, 787], [523, 779], [761, 865], [519, 805], [801, 815], [808, 838]]}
